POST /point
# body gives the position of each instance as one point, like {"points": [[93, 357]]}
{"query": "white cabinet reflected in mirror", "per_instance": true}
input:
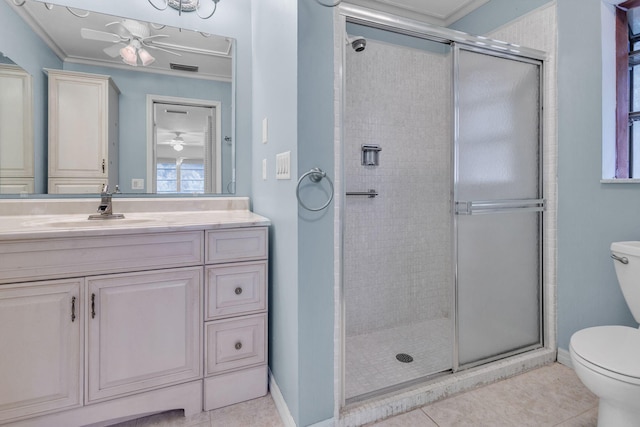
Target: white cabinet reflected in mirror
{"points": [[16, 129], [148, 63]]}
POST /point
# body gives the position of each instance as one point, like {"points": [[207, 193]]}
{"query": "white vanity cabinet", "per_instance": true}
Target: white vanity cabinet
{"points": [[107, 326], [119, 334], [16, 131], [83, 132], [235, 316], [41, 336]]}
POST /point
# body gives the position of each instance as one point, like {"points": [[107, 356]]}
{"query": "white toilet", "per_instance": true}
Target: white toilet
{"points": [[607, 358]]}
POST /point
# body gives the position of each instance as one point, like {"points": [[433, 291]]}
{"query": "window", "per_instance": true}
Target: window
{"points": [[628, 90], [180, 176]]}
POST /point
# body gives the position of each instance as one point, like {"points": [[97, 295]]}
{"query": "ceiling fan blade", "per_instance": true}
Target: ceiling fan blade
{"points": [[114, 50], [103, 36], [120, 29], [151, 46]]}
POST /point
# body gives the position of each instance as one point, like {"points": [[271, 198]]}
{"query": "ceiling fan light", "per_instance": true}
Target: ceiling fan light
{"points": [[146, 57], [178, 147], [129, 55]]}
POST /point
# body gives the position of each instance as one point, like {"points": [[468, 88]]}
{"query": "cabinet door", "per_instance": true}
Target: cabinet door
{"points": [[16, 123], [144, 331], [77, 126], [41, 337]]}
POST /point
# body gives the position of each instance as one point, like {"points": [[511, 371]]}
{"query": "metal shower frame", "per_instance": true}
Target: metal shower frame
{"points": [[349, 13]]}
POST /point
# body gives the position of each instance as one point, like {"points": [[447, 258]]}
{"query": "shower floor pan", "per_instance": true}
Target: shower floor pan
{"points": [[371, 362]]}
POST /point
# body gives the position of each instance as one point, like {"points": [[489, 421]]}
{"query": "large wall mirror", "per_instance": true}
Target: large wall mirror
{"points": [[160, 98]]}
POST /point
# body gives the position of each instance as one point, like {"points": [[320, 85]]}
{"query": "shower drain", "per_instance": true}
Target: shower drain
{"points": [[404, 358]]}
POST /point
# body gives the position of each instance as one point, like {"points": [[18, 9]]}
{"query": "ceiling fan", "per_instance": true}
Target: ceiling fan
{"points": [[130, 38], [178, 142]]}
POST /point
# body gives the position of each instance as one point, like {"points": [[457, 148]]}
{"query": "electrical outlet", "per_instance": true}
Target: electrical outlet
{"points": [[137, 184], [283, 165]]}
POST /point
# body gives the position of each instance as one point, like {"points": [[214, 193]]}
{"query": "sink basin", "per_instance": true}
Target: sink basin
{"points": [[100, 222], [84, 222]]}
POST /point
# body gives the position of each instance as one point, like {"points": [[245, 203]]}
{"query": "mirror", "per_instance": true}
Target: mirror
{"points": [[178, 69], [16, 135]]}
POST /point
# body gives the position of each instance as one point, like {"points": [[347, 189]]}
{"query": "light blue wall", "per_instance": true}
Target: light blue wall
{"points": [[293, 81], [275, 44], [18, 42], [591, 215], [134, 87], [232, 19], [316, 229]]}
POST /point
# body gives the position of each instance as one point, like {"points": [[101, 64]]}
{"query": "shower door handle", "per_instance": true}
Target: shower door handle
{"points": [[493, 206]]}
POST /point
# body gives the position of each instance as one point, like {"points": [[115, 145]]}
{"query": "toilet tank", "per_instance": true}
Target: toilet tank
{"points": [[628, 274]]}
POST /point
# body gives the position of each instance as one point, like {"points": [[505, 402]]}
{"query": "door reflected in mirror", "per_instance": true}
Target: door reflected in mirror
{"points": [[145, 61], [186, 146]]}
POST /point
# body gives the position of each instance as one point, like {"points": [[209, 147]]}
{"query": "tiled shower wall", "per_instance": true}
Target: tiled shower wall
{"points": [[397, 246]]}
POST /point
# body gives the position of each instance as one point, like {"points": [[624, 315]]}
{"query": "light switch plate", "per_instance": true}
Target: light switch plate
{"points": [[283, 165], [264, 169], [265, 130]]}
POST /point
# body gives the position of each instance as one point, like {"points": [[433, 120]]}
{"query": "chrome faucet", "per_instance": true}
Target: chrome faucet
{"points": [[105, 209]]}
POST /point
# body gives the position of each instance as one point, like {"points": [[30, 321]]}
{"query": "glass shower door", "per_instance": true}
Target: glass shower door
{"points": [[498, 205]]}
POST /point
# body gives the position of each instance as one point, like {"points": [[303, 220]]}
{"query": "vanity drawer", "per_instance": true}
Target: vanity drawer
{"points": [[233, 289], [235, 343], [240, 244], [80, 256]]}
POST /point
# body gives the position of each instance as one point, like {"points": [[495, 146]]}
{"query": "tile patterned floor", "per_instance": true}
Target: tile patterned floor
{"points": [[371, 358], [548, 396]]}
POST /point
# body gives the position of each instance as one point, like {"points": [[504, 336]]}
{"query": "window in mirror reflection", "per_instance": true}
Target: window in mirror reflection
{"points": [[180, 176]]}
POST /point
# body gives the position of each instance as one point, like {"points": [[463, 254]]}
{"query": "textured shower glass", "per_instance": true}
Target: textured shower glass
{"points": [[498, 155], [498, 278], [498, 152]]}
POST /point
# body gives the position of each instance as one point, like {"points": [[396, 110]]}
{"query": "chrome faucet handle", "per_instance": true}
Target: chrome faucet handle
{"points": [[105, 208]]}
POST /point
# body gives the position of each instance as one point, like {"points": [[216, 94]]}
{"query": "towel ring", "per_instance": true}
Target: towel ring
{"points": [[315, 175]]}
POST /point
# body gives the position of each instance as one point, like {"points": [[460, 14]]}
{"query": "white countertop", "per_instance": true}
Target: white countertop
{"points": [[141, 216]]}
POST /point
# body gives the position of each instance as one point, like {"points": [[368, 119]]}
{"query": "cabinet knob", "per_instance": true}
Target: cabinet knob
{"points": [[238, 345], [238, 290]]}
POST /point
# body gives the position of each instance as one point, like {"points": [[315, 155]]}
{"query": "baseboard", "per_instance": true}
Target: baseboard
{"points": [[281, 405], [326, 423], [564, 357]]}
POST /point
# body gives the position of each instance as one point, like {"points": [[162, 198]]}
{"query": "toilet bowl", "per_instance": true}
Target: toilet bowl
{"points": [[607, 358]]}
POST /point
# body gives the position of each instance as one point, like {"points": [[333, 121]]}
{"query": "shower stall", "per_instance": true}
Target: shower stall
{"points": [[442, 215]]}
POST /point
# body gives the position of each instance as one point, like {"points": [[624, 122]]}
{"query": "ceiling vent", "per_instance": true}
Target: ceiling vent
{"points": [[183, 67]]}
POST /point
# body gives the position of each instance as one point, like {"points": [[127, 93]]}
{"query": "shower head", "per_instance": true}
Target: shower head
{"points": [[358, 43]]}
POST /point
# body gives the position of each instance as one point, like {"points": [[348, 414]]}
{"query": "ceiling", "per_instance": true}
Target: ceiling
{"points": [[61, 30], [437, 12]]}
